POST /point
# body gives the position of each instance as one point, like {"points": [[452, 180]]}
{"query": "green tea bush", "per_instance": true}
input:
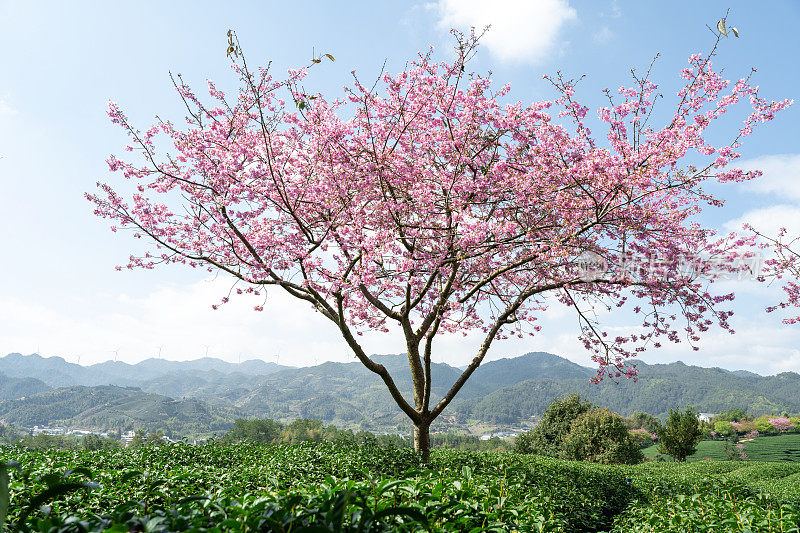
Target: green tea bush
{"points": [[709, 508], [342, 487], [309, 485]]}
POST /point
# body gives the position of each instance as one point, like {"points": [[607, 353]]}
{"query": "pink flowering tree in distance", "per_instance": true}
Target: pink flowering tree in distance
{"points": [[781, 423], [425, 204]]}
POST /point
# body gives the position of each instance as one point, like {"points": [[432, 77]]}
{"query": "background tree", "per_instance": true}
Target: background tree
{"points": [[9, 435], [255, 430], [642, 437], [734, 449], [640, 420], [601, 436], [732, 415], [680, 435], [763, 426], [44, 441], [724, 428], [425, 205], [96, 442], [302, 429], [547, 438], [142, 439]]}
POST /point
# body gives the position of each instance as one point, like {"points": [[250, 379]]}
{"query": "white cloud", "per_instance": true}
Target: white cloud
{"points": [[603, 35], [181, 319], [768, 220], [762, 346], [781, 175], [522, 30], [615, 11], [5, 108]]}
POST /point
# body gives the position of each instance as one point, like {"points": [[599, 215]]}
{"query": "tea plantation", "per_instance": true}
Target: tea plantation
{"points": [[330, 487], [771, 448]]}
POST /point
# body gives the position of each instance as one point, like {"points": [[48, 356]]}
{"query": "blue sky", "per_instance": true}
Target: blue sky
{"points": [[62, 62]]}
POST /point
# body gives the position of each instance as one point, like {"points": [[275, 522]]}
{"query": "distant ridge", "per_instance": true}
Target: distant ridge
{"points": [[57, 372], [509, 391]]}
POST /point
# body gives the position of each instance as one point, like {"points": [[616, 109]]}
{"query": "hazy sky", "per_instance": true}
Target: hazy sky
{"points": [[63, 61]]}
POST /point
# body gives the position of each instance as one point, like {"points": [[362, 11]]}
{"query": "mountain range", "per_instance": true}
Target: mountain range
{"points": [[56, 372], [205, 395]]}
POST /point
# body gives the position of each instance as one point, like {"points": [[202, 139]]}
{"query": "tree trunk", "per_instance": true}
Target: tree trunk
{"points": [[422, 441]]}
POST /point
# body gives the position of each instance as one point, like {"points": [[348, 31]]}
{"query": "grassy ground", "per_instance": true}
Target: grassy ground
{"points": [[766, 449]]}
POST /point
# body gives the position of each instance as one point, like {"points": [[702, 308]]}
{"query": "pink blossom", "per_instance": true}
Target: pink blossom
{"points": [[781, 424]]}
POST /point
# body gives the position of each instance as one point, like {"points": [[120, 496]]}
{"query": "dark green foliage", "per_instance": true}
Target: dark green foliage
{"points": [[454, 441], [640, 420], [734, 450], [601, 436], [712, 496], [142, 439], [573, 428], [732, 415], [306, 430], [44, 442], [301, 430], [96, 442], [254, 430], [680, 435], [774, 448], [548, 436], [9, 435]]}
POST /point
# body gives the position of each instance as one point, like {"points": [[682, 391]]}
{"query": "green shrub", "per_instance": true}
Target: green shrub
{"points": [[680, 435], [601, 436], [548, 436]]}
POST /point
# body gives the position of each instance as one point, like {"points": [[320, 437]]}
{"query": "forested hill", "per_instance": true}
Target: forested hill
{"points": [[510, 391], [112, 408], [11, 388], [502, 392]]}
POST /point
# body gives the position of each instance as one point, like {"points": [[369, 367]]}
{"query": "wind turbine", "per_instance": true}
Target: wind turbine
{"points": [[159, 350], [206, 345], [116, 355]]}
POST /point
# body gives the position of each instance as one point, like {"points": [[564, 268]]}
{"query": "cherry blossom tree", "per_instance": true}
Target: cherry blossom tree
{"points": [[430, 204], [781, 423]]}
